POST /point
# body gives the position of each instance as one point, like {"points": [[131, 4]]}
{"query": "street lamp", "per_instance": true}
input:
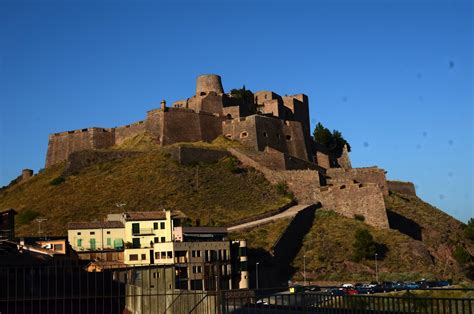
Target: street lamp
{"points": [[376, 269], [257, 274], [304, 269]]}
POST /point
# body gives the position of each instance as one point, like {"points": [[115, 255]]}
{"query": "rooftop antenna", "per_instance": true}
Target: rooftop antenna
{"points": [[40, 220]]}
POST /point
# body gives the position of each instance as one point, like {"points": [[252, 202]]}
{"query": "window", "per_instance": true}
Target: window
{"points": [[265, 134], [136, 243], [244, 134], [278, 135], [193, 253], [108, 232], [163, 239], [170, 254], [156, 239], [92, 232], [157, 255], [155, 225], [109, 241], [198, 253], [163, 254], [135, 228], [162, 225], [143, 257], [156, 275], [79, 242], [133, 257], [78, 233], [288, 137], [197, 269]]}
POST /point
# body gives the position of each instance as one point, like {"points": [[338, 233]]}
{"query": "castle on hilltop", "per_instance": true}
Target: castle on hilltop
{"points": [[275, 135], [269, 120]]}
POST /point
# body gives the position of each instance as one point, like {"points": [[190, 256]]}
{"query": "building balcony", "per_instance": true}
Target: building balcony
{"points": [[143, 231]]}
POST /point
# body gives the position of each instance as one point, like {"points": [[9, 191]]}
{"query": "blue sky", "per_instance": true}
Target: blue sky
{"points": [[395, 77]]}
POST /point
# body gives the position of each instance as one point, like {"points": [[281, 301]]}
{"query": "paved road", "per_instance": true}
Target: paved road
{"points": [[290, 212]]}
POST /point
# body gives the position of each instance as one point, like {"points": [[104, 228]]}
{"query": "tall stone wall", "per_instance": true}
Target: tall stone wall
{"points": [[351, 199], [407, 188], [127, 131], [363, 175], [259, 132], [61, 145], [302, 183], [186, 155]]}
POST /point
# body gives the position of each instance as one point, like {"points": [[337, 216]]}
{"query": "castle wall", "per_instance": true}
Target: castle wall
{"points": [[363, 175], [79, 160], [186, 155], [154, 124], [126, 131], [181, 125], [259, 132], [407, 188], [322, 160], [60, 145], [351, 199]]}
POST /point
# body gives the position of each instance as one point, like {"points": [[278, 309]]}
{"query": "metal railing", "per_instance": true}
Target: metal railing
{"points": [[156, 289]]}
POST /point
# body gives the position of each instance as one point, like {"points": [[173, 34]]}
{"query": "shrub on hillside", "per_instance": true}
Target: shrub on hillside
{"points": [[461, 255], [469, 230], [364, 246], [57, 181], [26, 216]]}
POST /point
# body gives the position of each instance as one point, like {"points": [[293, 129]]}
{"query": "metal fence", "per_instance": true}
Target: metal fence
{"points": [[307, 302], [159, 289]]}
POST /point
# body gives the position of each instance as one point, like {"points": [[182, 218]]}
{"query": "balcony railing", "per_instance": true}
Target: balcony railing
{"points": [[143, 231]]}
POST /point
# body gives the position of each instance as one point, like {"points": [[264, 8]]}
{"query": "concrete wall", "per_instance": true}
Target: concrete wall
{"points": [[100, 236], [407, 188]]}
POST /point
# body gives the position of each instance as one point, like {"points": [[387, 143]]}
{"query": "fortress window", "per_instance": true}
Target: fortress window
{"points": [[229, 116], [288, 137], [244, 134], [278, 135], [342, 187], [265, 134], [84, 130], [203, 94], [228, 136]]}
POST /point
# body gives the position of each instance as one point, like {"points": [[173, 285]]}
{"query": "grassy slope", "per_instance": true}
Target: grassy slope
{"points": [[264, 236], [149, 181], [329, 245]]}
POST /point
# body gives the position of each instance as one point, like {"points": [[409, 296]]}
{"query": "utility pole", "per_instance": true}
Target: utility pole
{"points": [[376, 269], [257, 275], [40, 220], [304, 269]]}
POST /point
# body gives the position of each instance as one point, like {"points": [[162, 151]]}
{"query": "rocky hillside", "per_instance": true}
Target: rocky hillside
{"points": [[419, 245]]}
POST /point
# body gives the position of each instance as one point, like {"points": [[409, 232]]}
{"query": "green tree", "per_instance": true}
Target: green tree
{"points": [[461, 255], [242, 93], [364, 246], [469, 230], [334, 140]]}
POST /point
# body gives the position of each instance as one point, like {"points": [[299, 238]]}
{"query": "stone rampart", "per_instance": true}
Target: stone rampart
{"points": [[302, 183], [127, 131], [187, 155], [83, 159], [363, 175], [61, 145], [407, 188], [351, 199]]}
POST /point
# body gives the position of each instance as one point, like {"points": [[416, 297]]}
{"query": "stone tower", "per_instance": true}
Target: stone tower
{"points": [[208, 83]]}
